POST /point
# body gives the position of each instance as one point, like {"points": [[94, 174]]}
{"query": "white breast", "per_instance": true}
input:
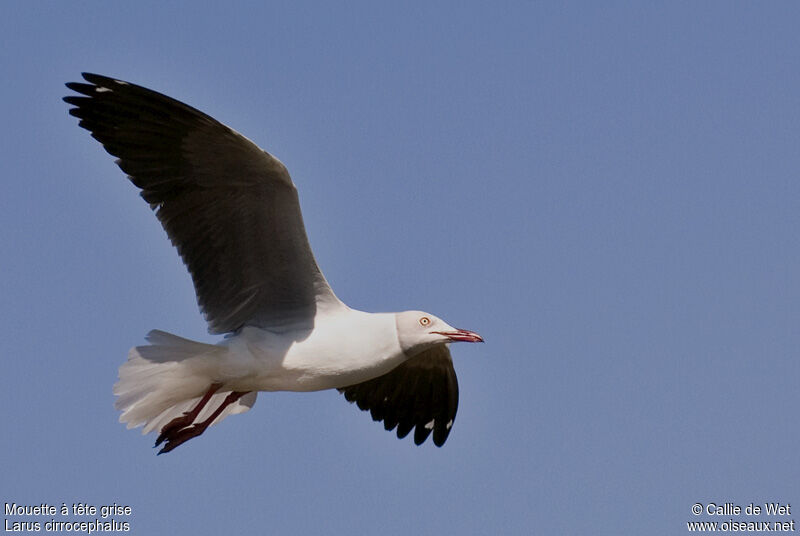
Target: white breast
{"points": [[343, 348]]}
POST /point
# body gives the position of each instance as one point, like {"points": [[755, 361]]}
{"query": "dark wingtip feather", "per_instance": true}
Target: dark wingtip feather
{"points": [[97, 79], [83, 89], [421, 434], [440, 435], [75, 100], [404, 428]]}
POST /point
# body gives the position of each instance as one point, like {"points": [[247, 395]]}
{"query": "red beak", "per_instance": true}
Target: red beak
{"points": [[461, 335]]}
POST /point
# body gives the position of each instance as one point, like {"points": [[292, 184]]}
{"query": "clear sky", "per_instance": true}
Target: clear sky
{"points": [[607, 192]]}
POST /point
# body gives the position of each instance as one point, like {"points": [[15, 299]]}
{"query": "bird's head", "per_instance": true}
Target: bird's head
{"points": [[418, 331]]}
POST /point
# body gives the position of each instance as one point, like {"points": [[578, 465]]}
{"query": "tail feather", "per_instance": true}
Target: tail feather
{"points": [[165, 347], [162, 380]]}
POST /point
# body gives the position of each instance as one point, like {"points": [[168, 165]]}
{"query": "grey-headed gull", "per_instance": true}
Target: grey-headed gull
{"points": [[232, 212]]}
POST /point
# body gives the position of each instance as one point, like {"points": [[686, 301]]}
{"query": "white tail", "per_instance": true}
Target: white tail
{"points": [[164, 379]]}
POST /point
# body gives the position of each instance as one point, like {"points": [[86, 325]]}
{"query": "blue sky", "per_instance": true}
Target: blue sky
{"points": [[607, 192]]}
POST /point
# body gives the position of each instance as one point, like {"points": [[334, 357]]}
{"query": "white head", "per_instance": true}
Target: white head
{"points": [[418, 331]]}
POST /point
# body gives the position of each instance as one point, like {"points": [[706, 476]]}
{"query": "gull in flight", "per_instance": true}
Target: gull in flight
{"points": [[232, 211]]}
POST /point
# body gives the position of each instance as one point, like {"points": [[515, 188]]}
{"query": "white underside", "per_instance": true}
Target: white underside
{"points": [[169, 376]]}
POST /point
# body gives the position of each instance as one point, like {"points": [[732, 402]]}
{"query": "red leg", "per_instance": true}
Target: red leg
{"points": [[188, 417], [179, 437]]}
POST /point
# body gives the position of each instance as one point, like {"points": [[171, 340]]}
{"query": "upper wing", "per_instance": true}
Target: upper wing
{"points": [[422, 392], [229, 207]]}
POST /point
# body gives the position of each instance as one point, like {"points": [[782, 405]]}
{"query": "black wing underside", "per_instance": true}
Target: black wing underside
{"points": [[229, 207], [420, 394]]}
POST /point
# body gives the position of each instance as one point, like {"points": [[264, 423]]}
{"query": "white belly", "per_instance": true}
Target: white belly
{"points": [[343, 349]]}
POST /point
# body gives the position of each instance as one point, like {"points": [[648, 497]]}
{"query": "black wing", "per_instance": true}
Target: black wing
{"points": [[421, 393], [229, 207]]}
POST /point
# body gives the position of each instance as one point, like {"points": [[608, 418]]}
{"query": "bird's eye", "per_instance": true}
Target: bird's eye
{"points": [[424, 321]]}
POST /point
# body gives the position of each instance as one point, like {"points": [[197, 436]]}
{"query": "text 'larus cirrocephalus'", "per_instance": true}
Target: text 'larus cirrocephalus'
{"points": [[232, 212]]}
